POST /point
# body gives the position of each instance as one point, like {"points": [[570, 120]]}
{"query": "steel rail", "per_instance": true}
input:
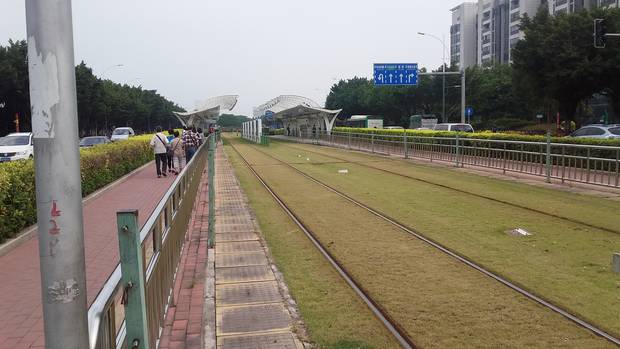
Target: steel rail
{"points": [[399, 333], [538, 299], [365, 163]]}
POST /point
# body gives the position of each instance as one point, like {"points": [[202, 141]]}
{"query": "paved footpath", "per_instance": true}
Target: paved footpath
{"points": [[21, 317], [253, 308]]}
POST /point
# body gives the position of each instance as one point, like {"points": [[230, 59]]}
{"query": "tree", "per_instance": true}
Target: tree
{"points": [[557, 60], [14, 88], [231, 120]]}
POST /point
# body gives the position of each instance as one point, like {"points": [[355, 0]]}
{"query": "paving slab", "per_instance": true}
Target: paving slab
{"points": [[251, 293], [252, 318], [242, 274], [241, 260], [238, 247], [269, 340]]}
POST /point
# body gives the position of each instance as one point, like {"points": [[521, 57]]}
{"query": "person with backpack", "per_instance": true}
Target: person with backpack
{"points": [[159, 142], [190, 143]]}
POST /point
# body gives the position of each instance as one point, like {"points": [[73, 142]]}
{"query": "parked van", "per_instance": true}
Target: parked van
{"points": [[454, 127]]}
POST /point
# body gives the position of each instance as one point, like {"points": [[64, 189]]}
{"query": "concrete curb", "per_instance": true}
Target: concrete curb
{"points": [[209, 338], [28, 233]]}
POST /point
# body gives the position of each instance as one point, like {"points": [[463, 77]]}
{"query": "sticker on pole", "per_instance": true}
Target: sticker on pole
{"points": [[44, 90]]}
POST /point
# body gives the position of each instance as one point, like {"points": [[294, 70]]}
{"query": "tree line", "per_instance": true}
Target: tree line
{"points": [[555, 71], [102, 104]]}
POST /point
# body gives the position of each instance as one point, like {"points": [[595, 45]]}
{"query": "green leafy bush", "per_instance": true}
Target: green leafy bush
{"points": [[100, 165]]}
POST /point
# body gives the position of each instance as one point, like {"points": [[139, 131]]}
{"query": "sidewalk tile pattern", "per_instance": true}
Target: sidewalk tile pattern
{"points": [[21, 315], [184, 319]]}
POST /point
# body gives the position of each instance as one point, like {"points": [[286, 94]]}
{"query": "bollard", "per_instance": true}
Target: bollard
{"points": [[616, 262], [211, 187], [132, 279]]}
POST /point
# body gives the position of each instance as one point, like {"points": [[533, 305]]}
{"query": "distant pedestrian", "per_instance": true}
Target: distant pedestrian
{"points": [[288, 130], [159, 142], [170, 137], [201, 136], [313, 131], [177, 152], [189, 143]]}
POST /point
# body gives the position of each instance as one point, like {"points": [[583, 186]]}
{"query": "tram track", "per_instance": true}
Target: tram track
{"points": [[399, 333], [504, 202], [420, 236]]}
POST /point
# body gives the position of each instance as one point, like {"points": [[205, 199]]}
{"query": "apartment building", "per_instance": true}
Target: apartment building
{"points": [[464, 35], [570, 6], [497, 26]]}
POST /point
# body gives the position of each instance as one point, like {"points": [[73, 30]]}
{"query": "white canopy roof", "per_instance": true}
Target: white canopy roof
{"points": [[282, 103], [209, 109]]}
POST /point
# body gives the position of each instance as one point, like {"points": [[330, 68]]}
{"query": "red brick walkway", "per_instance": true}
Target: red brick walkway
{"points": [[21, 317], [184, 320]]}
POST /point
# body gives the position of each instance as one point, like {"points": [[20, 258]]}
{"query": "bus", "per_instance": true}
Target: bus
{"points": [[365, 121]]}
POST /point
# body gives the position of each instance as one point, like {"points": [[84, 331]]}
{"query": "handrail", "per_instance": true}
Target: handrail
{"points": [[106, 296], [462, 139]]}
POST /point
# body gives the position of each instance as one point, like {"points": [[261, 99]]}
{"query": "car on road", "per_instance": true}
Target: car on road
{"points": [[454, 127], [91, 141], [16, 146], [598, 131], [122, 133], [393, 128]]}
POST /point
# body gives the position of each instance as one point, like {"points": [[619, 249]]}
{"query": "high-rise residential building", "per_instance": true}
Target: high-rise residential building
{"points": [[569, 6], [497, 28], [464, 35]]}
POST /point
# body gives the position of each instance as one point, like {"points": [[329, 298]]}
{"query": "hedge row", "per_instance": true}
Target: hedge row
{"points": [[483, 136], [100, 166]]}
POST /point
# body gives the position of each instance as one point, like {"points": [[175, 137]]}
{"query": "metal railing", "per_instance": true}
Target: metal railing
{"points": [[162, 238], [597, 165]]}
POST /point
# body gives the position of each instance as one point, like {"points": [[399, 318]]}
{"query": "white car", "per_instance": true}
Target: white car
{"points": [[122, 133], [454, 127], [598, 131], [16, 146]]}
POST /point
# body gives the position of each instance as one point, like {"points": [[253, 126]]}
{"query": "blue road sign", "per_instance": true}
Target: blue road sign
{"points": [[469, 112], [394, 74]]}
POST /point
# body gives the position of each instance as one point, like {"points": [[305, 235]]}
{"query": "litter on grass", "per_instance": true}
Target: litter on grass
{"points": [[518, 232], [343, 171], [307, 159]]}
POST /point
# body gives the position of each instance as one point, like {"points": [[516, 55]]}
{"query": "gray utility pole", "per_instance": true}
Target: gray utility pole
{"points": [[463, 91], [57, 173]]}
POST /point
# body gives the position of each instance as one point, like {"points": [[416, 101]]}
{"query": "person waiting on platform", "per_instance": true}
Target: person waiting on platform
{"points": [[177, 152], [288, 130]]}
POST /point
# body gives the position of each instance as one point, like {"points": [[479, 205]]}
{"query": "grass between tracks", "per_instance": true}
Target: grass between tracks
{"points": [[564, 262], [440, 302], [335, 317]]}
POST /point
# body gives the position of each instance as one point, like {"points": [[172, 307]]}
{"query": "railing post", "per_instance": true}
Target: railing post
{"points": [[617, 166], [406, 152], [504, 160], [349, 140], [458, 152], [132, 279], [548, 167], [372, 142], [588, 166], [211, 186]]}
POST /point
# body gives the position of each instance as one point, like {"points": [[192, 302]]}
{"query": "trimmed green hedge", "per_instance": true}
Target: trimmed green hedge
{"points": [[100, 165], [482, 135]]}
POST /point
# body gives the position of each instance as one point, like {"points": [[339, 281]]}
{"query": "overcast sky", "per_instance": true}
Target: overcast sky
{"points": [[190, 50]]}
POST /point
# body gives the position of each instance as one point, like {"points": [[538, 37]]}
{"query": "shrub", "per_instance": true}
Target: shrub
{"points": [[100, 165]]}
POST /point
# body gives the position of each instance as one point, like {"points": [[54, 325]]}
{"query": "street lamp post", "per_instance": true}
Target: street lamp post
{"points": [[443, 89]]}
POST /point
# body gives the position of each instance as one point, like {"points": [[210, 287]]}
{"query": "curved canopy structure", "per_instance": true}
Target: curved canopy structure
{"points": [[297, 114], [208, 111]]}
